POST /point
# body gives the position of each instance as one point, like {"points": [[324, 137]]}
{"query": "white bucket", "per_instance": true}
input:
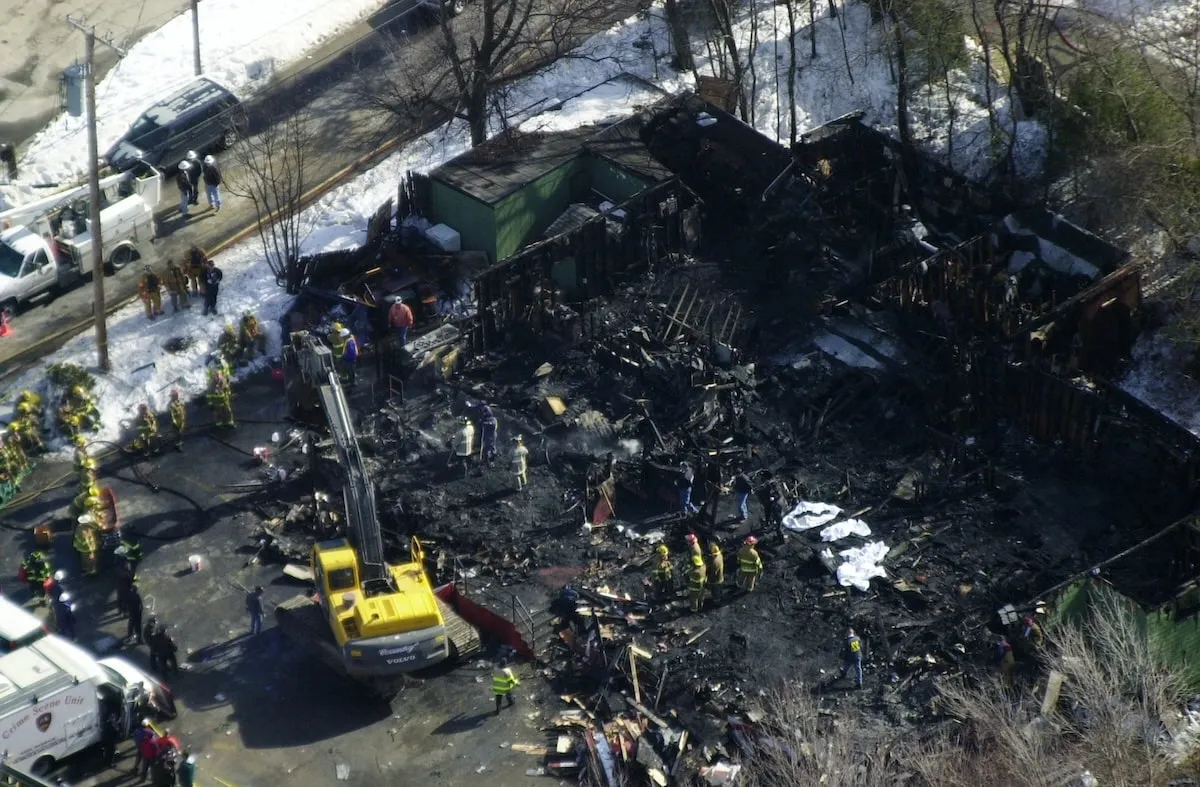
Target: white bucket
{"points": [[195, 562]]}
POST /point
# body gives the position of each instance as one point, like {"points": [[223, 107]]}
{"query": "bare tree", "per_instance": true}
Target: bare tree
{"points": [[271, 172], [491, 45]]}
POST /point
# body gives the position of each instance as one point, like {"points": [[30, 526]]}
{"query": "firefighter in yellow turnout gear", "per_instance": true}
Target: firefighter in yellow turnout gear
{"points": [[663, 574], [178, 412], [147, 426], [750, 565], [227, 345], [85, 465], [251, 337], [716, 573], [86, 541], [220, 399], [697, 579]]}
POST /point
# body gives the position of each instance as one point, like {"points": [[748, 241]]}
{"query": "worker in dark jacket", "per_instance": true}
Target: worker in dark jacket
{"points": [[254, 606], [212, 183], [184, 182], [212, 286], [64, 616], [194, 173], [164, 645], [133, 606], [742, 487], [852, 656], [487, 434]]}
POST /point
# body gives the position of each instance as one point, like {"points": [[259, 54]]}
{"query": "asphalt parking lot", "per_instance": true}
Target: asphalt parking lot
{"points": [[259, 711]]}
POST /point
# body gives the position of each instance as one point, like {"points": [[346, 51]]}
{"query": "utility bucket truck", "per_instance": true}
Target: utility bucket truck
{"points": [[47, 245]]}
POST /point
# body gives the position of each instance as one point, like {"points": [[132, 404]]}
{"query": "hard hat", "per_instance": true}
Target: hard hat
{"points": [[519, 439], [85, 519], [192, 155], [715, 548], [174, 393], [228, 327], [184, 166], [661, 549], [697, 560], [1029, 620], [751, 540], [79, 440], [849, 632], [344, 333], [690, 538], [397, 299], [143, 406], [146, 722], [79, 391], [247, 313], [60, 575], [209, 160], [65, 597], [337, 326]]}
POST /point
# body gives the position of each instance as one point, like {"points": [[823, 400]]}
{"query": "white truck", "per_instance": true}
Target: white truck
{"points": [[55, 698], [47, 244]]}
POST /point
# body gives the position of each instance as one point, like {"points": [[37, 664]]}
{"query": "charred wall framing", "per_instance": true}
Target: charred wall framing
{"points": [[519, 297]]}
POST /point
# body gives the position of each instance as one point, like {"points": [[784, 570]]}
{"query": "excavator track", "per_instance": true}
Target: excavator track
{"points": [[464, 638]]}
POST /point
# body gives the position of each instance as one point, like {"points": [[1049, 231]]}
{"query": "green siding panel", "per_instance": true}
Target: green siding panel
{"points": [[1176, 641], [473, 220], [523, 215], [616, 183]]}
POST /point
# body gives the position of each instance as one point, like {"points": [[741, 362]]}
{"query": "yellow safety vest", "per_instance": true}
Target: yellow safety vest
{"points": [[503, 681], [697, 577]]}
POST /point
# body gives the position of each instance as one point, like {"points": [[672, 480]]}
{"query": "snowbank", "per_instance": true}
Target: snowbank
{"points": [[242, 43]]}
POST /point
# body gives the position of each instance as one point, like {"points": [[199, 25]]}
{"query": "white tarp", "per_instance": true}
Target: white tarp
{"points": [[847, 527], [862, 565], [806, 516]]}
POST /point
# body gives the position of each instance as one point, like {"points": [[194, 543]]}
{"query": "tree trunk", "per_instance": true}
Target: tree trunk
{"points": [[477, 119], [679, 38], [901, 83]]}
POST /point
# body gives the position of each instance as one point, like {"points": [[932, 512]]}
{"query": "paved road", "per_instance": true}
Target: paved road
{"points": [[346, 129], [36, 44]]}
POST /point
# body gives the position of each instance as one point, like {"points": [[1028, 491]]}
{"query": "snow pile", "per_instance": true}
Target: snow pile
{"points": [[1154, 378], [847, 527], [860, 565], [242, 43], [806, 516]]}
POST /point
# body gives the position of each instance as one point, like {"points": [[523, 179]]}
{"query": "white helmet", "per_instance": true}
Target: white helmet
{"points": [[65, 597], [192, 155], [184, 166], [209, 160], [60, 575]]}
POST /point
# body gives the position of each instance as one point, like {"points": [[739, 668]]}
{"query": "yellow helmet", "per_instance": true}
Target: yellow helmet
{"points": [[715, 548], [661, 549], [92, 501], [697, 560], [79, 440], [229, 327], [337, 326], [79, 391]]}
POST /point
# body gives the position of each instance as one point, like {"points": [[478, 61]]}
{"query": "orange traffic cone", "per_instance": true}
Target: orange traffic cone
{"points": [[5, 329]]}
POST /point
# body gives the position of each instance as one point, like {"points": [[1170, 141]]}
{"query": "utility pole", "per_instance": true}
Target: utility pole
{"points": [[196, 33], [94, 231]]}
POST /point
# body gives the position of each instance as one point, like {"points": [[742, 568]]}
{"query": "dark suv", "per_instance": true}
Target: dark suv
{"points": [[202, 116]]}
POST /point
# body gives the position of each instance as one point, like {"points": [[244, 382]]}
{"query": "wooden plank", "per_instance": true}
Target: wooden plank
{"points": [[532, 748], [637, 687]]}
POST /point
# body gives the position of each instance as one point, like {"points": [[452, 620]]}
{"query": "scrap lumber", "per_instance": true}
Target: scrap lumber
{"points": [[637, 687], [649, 714], [531, 748], [697, 636]]}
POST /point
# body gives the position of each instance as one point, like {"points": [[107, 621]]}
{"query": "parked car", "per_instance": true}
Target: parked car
{"points": [[203, 116]]}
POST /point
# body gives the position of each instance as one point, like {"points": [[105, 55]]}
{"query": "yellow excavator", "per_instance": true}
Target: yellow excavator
{"points": [[371, 619]]}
